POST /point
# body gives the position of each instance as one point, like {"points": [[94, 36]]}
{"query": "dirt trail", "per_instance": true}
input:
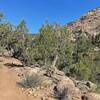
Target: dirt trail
{"points": [[8, 87]]}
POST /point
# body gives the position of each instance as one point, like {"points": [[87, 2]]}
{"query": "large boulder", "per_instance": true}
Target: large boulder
{"points": [[86, 86], [66, 90]]}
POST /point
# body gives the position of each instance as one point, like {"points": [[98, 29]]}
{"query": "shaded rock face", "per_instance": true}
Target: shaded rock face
{"points": [[89, 23]]}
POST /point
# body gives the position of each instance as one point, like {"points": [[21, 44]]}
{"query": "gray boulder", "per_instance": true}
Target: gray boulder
{"points": [[66, 90]]}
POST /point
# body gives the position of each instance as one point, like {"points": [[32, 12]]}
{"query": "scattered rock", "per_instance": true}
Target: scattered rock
{"points": [[65, 88], [30, 92], [35, 65]]}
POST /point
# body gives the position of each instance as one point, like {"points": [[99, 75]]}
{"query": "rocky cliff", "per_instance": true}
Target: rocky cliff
{"points": [[89, 23]]}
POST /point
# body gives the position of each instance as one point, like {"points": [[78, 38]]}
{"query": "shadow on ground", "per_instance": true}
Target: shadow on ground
{"points": [[12, 65]]}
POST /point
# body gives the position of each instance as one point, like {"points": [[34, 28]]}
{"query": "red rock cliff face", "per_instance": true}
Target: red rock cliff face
{"points": [[89, 23]]}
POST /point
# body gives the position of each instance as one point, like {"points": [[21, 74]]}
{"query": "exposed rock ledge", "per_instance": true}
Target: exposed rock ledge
{"points": [[63, 87]]}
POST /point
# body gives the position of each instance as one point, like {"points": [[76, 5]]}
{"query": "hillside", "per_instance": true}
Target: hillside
{"points": [[54, 87], [90, 22], [50, 65]]}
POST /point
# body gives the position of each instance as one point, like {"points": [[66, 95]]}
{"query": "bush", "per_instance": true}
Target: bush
{"points": [[1, 50], [98, 88], [31, 81]]}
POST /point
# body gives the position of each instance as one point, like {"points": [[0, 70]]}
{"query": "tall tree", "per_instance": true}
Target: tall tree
{"points": [[1, 16], [54, 44], [22, 27]]}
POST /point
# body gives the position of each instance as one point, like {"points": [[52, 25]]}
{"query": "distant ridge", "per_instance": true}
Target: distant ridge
{"points": [[89, 23]]}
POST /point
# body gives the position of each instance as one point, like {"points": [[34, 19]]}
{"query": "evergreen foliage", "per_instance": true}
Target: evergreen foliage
{"points": [[53, 47]]}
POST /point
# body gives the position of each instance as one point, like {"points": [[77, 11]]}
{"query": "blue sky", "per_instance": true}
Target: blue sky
{"points": [[35, 12]]}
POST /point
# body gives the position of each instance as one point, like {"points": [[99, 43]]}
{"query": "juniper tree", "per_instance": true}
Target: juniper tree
{"points": [[54, 45]]}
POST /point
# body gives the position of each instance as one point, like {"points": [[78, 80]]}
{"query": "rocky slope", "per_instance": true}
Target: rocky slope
{"points": [[55, 85], [89, 23]]}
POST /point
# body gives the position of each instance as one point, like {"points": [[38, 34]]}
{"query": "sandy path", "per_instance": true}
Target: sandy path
{"points": [[8, 87]]}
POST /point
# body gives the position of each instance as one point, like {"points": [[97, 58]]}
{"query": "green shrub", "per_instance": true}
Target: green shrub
{"points": [[98, 88], [1, 50], [52, 46], [31, 81]]}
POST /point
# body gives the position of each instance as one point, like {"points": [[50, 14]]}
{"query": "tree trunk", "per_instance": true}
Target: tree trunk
{"points": [[55, 61]]}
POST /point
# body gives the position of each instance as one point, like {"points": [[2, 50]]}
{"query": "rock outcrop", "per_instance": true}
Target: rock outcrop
{"points": [[89, 23], [58, 86]]}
